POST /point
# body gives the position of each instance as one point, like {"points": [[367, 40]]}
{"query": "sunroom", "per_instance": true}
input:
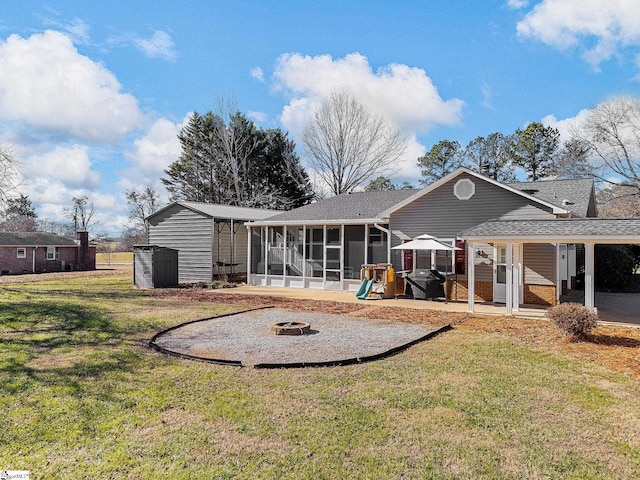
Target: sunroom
{"points": [[322, 256]]}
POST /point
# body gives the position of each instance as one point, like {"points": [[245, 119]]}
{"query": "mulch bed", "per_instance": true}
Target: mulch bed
{"points": [[615, 347]]}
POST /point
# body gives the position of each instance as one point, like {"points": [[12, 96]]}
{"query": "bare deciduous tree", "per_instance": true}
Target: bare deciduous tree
{"points": [[10, 173], [347, 145], [572, 161], [142, 203], [81, 213], [612, 131], [618, 202]]}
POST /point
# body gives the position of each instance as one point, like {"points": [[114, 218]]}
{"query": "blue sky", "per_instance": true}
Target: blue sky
{"points": [[92, 94]]}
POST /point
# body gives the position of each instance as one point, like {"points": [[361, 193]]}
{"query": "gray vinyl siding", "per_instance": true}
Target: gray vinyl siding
{"points": [[483, 262], [441, 214], [539, 263], [191, 234]]}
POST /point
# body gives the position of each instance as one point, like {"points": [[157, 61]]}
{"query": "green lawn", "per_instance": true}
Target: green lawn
{"points": [[81, 396], [114, 257]]}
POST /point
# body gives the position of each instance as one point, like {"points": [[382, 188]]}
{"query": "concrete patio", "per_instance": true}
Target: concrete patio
{"points": [[618, 308]]}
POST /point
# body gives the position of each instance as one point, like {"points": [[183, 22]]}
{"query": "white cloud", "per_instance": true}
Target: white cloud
{"points": [[47, 84], [566, 126], [409, 170], [68, 165], [76, 29], [257, 73], [257, 116], [158, 148], [404, 95], [517, 4], [563, 24], [159, 45]]}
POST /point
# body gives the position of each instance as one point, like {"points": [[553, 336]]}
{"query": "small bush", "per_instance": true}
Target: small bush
{"points": [[573, 319]]}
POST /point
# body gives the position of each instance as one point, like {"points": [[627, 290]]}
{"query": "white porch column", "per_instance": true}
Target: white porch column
{"points": [[589, 278], [304, 255], [248, 254], [266, 253], [366, 243], [558, 279], [284, 255], [517, 275], [509, 280], [233, 249], [471, 259]]}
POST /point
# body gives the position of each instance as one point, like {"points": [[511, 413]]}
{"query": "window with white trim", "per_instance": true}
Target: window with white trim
{"points": [[21, 253], [52, 253]]}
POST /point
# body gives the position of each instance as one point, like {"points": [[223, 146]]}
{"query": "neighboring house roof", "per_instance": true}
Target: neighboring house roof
{"points": [[557, 210], [563, 230], [35, 239], [226, 212], [574, 195], [357, 207]]}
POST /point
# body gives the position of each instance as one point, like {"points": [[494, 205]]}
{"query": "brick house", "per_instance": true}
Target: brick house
{"points": [[37, 252]]}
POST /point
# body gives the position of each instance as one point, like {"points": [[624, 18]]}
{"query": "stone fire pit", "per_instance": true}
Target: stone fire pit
{"points": [[290, 328]]}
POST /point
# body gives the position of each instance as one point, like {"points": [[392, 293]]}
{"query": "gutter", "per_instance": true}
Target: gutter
{"points": [[388, 232], [338, 221]]}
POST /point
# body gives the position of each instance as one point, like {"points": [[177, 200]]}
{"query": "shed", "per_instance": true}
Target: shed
{"points": [[155, 267], [211, 239]]}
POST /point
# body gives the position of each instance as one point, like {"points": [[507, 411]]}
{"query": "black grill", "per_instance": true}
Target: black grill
{"points": [[426, 284]]}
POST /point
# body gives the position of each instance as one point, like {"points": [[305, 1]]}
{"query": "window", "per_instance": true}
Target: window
{"points": [[52, 253], [21, 253]]}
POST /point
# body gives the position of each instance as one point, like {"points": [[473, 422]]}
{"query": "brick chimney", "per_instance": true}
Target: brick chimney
{"points": [[86, 257]]}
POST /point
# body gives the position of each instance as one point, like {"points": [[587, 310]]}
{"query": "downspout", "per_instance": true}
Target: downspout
{"points": [[33, 256], [388, 232]]}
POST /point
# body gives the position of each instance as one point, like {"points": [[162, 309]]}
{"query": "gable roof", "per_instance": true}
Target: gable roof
{"points": [[225, 212], [462, 170], [36, 239], [358, 207], [562, 230], [574, 195]]}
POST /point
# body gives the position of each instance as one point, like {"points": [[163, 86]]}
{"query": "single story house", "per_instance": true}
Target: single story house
{"points": [[36, 252], [211, 239], [324, 244]]}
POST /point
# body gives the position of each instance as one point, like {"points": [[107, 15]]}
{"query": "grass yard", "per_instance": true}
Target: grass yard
{"points": [[81, 396], [114, 257]]}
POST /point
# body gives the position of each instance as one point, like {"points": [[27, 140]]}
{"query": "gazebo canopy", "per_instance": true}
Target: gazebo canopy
{"points": [[425, 242]]}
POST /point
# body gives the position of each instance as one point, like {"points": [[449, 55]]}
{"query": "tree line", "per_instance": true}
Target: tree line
{"points": [[536, 149], [227, 159]]}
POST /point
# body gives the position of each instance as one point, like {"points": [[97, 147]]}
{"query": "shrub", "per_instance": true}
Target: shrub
{"points": [[573, 319]]}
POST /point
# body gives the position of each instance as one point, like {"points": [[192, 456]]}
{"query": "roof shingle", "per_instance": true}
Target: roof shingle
{"points": [[558, 228], [573, 195], [351, 206], [35, 239]]}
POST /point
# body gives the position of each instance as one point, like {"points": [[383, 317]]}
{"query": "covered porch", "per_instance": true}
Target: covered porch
{"points": [[513, 235]]}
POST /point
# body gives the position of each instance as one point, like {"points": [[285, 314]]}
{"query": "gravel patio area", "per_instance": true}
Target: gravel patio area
{"points": [[245, 339]]}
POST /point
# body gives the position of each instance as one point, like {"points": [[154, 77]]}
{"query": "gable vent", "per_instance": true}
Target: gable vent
{"points": [[464, 189]]}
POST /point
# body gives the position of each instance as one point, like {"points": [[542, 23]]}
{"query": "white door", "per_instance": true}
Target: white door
{"points": [[500, 274], [332, 257]]}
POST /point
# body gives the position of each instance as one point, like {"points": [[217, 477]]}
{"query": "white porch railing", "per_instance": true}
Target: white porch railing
{"points": [[291, 256]]}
